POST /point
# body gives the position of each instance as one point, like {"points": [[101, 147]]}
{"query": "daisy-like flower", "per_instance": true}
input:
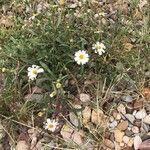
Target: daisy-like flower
{"points": [[51, 125], [99, 48], [81, 57], [34, 71]]}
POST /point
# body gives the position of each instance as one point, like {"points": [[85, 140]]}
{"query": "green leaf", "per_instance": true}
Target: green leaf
{"points": [[48, 70]]}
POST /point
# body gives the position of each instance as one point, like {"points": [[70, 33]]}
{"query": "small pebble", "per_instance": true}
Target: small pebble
{"points": [[137, 142], [129, 128], [117, 146], [135, 129], [118, 135], [109, 144], [130, 143], [111, 119], [121, 108], [147, 119], [114, 113], [134, 112], [123, 125], [126, 139], [127, 98], [140, 114], [130, 117], [138, 104], [84, 97], [121, 144], [113, 124], [118, 117], [128, 133]]}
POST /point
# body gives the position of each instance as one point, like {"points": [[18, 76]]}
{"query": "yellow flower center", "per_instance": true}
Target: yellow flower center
{"points": [[98, 46], [58, 85], [40, 114], [50, 126], [34, 71], [81, 56]]}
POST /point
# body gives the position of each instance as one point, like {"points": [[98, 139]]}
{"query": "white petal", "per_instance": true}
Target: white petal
{"points": [[34, 66], [86, 55], [100, 53], [48, 120], [40, 70], [29, 68]]}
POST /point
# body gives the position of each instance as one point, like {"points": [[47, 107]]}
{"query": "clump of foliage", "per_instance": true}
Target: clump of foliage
{"points": [[48, 34]]}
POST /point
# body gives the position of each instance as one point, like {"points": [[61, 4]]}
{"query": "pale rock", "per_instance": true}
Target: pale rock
{"points": [[118, 135], [122, 144], [138, 103], [86, 114], [77, 137], [108, 143], [146, 120], [121, 108], [66, 132], [114, 113], [33, 142], [74, 119], [111, 119], [131, 142], [134, 112], [22, 145], [126, 139], [118, 117], [137, 142], [84, 97], [98, 117], [89, 146], [117, 146], [39, 145], [135, 129], [113, 124], [140, 114], [130, 117], [127, 98], [129, 128]]}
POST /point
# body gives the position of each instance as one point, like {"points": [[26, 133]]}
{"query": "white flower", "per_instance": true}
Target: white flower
{"points": [[51, 125], [99, 48], [34, 71], [81, 57]]}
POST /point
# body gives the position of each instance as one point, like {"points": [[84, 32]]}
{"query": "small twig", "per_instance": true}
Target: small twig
{"points": [[8, 118]]}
